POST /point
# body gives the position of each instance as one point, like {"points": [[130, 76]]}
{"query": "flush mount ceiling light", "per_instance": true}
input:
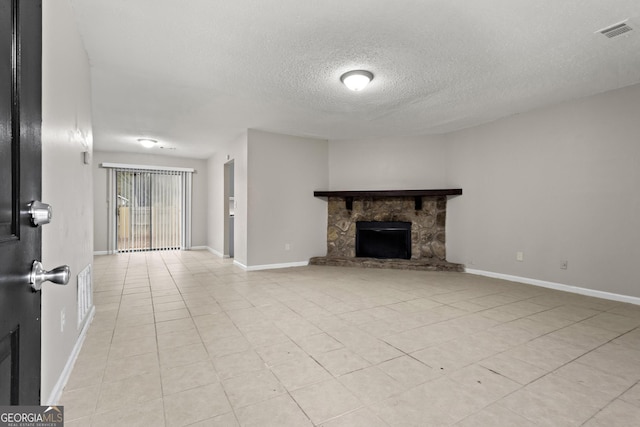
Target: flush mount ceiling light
{"points": [[147, 143], [356, 80]]}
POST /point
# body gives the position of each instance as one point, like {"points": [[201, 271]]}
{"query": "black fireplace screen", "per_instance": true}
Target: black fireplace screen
{"points": [[380, 239]]}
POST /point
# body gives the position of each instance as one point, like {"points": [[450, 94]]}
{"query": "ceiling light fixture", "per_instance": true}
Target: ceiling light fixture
{"points": [[147, 143], [356, 80]]}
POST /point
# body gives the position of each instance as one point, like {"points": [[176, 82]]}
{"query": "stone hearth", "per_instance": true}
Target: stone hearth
{"points": [[428, 240], [398, 264]]}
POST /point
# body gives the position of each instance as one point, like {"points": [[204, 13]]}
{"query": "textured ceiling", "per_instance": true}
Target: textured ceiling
{"points": [[195, 74]]}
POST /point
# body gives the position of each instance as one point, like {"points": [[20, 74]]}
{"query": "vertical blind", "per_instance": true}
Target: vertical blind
{"points": [[152, 209]]}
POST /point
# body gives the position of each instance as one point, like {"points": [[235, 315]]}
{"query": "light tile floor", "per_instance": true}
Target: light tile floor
{"points": [[185, 338]]}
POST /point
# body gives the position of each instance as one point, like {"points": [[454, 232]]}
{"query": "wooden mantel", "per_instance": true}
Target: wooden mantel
{"points": [[417, 194], [390, 193]]}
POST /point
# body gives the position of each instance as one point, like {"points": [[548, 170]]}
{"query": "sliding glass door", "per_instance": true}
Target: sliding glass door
{"points": [[150, 210]]}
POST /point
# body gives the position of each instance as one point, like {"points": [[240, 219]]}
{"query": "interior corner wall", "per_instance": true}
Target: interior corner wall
{"points": [[100, 201], [397, 163], [558, 184], [286, 223], [235, 150], [66, 184]]}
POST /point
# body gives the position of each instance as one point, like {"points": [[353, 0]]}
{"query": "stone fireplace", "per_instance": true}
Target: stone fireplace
{"points": [[424, 211]]}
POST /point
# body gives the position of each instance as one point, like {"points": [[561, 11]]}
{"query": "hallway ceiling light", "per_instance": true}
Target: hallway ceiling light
{"points": [[147, 143], [356, 80]]}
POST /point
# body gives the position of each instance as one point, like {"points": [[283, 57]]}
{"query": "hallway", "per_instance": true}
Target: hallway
{"points": [[186, 338]]}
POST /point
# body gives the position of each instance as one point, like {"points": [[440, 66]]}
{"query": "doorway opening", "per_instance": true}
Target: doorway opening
{"points": [[229, 209]]}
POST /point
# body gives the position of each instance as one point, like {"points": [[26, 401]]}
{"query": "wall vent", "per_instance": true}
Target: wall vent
{"points": [[616, 30], [85, 294]]}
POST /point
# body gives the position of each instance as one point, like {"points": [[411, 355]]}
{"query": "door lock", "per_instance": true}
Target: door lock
{"points": [[38, 275], [40, 213]]}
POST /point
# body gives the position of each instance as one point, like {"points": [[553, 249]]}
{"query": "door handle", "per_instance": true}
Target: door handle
{"points": [[39, 275]]}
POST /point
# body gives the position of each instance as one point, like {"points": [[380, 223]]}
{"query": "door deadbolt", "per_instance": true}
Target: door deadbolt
{"points": [[38, 275], [40, 213]]}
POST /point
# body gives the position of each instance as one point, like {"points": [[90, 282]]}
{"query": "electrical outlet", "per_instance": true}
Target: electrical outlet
{"points": [[519, 256], [63, 319], [564, 265], [287, 246]]}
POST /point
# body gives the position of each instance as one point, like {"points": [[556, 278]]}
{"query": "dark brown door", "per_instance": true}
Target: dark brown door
{"points": [[20, 183]]}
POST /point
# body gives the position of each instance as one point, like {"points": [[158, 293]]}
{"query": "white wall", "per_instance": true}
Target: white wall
{"points": [[560, 183], [215, 196], [399, 163], [283, 171], [199, 192], [66, 182], [236, 151]]}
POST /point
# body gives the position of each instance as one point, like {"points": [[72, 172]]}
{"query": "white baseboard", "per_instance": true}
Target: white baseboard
{"points": [[102, 253], [239, 264], [207, 248], [56, 393], [271, 266], [216, 253], [558, 286]]}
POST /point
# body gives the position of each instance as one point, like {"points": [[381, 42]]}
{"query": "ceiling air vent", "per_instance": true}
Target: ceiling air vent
{"points": [[616, 30]]}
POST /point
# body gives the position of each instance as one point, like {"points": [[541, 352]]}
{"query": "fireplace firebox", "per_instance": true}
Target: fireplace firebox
{"points": [[382, 239]]}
